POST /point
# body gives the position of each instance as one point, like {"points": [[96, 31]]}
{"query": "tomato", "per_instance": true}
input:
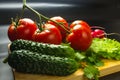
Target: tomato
{"points": [[81, 22], [80, 37], [24, 30], [50, 34], [61, 21]]}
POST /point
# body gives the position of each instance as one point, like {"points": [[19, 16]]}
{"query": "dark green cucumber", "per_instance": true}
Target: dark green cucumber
{"points": [[31, 62], [49, 49]]}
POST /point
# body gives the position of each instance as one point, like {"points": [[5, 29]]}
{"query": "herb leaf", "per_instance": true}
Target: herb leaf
{"points": [[91, 72]]}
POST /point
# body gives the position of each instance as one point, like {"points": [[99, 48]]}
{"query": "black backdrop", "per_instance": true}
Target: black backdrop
{"points": [[103, 13]]}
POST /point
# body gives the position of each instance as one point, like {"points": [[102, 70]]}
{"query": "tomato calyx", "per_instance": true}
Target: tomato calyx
{"points": [[15, 22], [24, 30], [50, 34]]}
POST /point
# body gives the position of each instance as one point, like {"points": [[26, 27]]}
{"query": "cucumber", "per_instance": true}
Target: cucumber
{"points": [[44, 48], [31, 62]]}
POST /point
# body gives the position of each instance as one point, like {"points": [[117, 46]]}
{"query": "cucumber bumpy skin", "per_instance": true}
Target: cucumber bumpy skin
{"points": [[31, 62], [44, 48]]}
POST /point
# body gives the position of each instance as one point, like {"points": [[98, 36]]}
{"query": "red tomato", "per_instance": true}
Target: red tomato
{"points": [[50, 34], [81, 22], [80, 38], [24, 30], [61, 21]]}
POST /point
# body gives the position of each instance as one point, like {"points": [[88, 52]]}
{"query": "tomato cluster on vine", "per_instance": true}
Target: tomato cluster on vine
{"points": [[54, 30]]}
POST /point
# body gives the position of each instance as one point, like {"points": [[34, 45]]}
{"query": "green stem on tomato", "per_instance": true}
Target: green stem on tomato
{"points": [[42, 16], [31, 9], [61, 25], [22, 13], [15, 21]]}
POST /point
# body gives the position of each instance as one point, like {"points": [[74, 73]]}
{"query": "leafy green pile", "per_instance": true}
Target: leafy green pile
{"points": [[106, 48], [100, 49]]}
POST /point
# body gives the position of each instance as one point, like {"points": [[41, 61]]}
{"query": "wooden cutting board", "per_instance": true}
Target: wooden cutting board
{"points": [[111, 66]]}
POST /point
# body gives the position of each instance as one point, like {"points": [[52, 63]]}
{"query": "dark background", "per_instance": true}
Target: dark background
{"points": [[105, 13]]}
